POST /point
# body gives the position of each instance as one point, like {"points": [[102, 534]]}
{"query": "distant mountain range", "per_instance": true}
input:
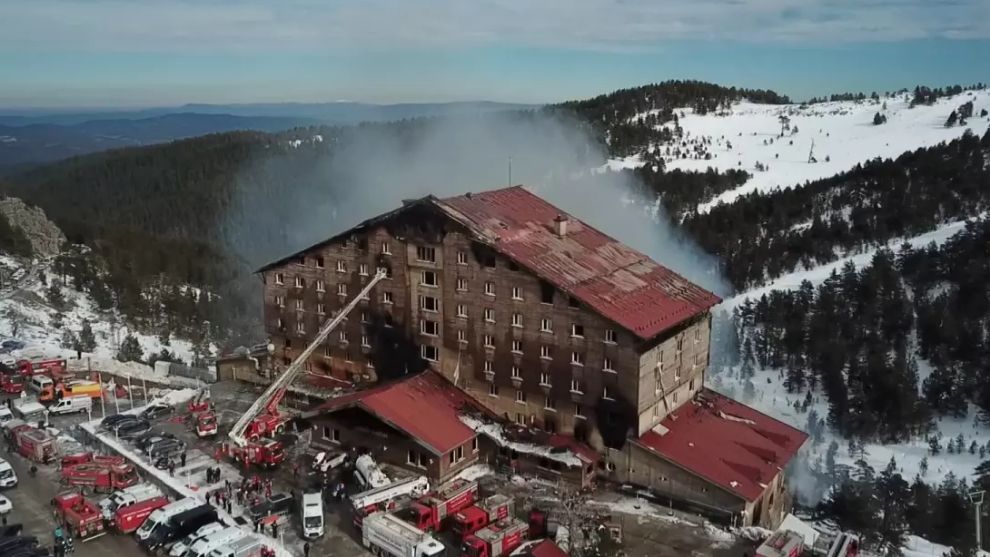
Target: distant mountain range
{"points": [[36, 136]]}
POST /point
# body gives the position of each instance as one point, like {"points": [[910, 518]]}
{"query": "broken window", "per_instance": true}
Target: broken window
{"points": [[577, 330], [428, 278], [428, 327], [424, 253], [546, 292], [488, 260], [319, 262]]}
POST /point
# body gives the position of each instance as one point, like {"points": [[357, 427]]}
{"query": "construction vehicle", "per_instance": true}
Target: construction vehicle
{"points": [[263, 417], [782, 543], [430, 512], [127, 497], [35, 444], [495, 540], [206, 424], [81, 516], [368, 473], [471, 519], [58, 391], [100, 477], [384, 498], [386, 534]]}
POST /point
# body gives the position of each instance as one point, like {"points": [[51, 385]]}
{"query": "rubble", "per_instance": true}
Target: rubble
{"points": [[497, 433]]}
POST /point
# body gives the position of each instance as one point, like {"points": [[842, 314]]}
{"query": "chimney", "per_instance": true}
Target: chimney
{"points": [[560, 225]]}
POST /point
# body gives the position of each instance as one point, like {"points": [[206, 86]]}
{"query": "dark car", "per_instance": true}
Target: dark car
{"points": [[168, 447], [116, 427], [133, 430], [110, 421], [277, 504], [9, 545], [156, 411], [154, 442], [151, 437]]}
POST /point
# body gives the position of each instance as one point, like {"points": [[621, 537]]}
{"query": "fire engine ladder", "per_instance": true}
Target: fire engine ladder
{"points": [[298, 365]]}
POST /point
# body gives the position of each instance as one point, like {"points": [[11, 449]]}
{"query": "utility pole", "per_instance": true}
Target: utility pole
{"points": [[976, 497]]}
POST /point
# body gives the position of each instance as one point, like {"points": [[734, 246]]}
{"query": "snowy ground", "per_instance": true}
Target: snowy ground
{"points": [[843, 131]]}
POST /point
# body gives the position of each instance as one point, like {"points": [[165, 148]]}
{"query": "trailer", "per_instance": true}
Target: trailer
{"points": [[129, 518], [35, 444], [495, 540], [386, 534], [782, 543], [430, 512], [100, 477], [81, 517], [383, 498], [474, 518]]}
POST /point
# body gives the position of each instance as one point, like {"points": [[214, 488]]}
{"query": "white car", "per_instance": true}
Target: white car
{"points": [[5, 505], [7, 476]]}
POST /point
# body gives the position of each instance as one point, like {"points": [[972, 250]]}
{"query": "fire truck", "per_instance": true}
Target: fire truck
{"points": [[263, 418], [495, 540], [98, 476], [782, 543], [55, 368], [35, 444], [80, 515], [476, 517], [128, 519], [11, 383], [206, 424], [384, 498], [430, 512], [201, 403], [385, 534]]}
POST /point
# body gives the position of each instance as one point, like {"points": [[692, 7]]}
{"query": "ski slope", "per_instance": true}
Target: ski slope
{"points": [[842, 132]]}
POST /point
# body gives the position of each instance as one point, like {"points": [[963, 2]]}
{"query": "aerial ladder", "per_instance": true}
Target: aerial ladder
{"points": [[263, 417]]}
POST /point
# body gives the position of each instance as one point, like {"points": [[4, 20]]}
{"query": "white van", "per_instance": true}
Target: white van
{"points": [[249, 545], [182, 546], [72, 404], [5, 415], [312, 515], [161, 516], [225, 537], [8, 478], [127, 497], [39, 382]]}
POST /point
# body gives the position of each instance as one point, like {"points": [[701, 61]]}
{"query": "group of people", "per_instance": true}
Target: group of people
{"points": [[221, 498], [63, 543], [213, 475]]}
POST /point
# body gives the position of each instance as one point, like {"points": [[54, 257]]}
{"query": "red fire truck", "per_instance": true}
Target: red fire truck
{"points": [[81, 516], [266, 453], [495, 540], [99, 476], [11, 383], [476, 517], [206, 424], [130, 518], [55, 368], [431, 511], [783, 543], [35, 444]]}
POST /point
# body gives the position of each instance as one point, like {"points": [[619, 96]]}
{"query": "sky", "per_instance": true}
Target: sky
{"points": [[134, 53]]}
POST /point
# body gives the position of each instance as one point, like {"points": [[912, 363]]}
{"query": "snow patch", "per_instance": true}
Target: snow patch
{"points": [[496, 433]]}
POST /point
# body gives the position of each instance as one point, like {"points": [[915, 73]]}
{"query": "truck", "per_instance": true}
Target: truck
{"points": [[264, 453], [179, 525], [206, 424], [81, 387], [127, 497], [53, 367], [81, 516], [495, 540], [368, 473], [471, 519], [28, 410], [386, 534], [248, 546], [11, 383], [384, 498], [430, 512], [311, 514], [128, 519], [35, 444], [99, 476], [782, 543]]}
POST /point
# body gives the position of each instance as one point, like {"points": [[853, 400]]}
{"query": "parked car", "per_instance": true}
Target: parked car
{"points": [[131, 430], [156, 411], [151, 437], [168, 447], [131, 420], [148, 446], [110, 421], [5, 505]]}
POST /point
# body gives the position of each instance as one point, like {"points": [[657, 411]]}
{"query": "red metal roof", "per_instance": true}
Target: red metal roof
{"points": [[725, 442], [424, 406], [542, 548], [616, 281]]}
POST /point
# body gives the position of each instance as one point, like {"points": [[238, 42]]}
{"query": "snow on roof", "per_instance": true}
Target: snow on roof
{"points": [[495, 432]]}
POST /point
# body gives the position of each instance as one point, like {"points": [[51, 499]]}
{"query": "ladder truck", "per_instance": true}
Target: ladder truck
{"points": [[247, 443], [383, 498]]}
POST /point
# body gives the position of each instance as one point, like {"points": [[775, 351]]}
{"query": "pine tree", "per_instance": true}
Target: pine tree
{"points": [[130, 350], [892, 491], [953, 118], [55, 297], [833, 451], [87, 340], [934, 447]]}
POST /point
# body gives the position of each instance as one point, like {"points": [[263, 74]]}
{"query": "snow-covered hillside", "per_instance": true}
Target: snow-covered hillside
{"points": [[843, 134]]}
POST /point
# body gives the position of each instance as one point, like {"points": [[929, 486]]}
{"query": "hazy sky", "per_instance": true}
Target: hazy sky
{"points": [[164, 52]]}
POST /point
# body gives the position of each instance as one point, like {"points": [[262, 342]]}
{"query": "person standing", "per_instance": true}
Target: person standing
{"points": [[306, 549]]}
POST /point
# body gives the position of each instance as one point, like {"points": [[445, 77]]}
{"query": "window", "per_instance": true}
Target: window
{"points": [[521, 397], [516, 293], [545, 379], [656, 411], [490, 315], [452, 458], [490, 288], [412, 458], [691, 384], [320, 285], [546, 325], [427, 327], [517, 346], [680, 344], [347, 356], [658, 382], [660, 359], [341, 267], [610, 336], [460, 453], [492, 391], [300, 327], [331, 434], [300, 282], [572, 302], [364, 317], [299, 305], [321, 309], [462, 310], [489, 366], [489, 341], [429, 353], [578, 411], [517, 320], [462, 284], [341, 289], [319, 262], [280, 301], [577, 358], [674, 397], [546, 293], [488, 261], [462, 258], [577, 330], [607, 365], [387, 297], [388, 271], [461, 336], [697, 360], [428, 303], [512, 266], [606, 393], [279, 278], [424, 253], [474, 442], [281, 324], [516, 373], [327, 351], [550, 404], [363, 269], [385, 248], [343, 336], [545, 352], [428, 278], [364, 341], [697, 335], [520, 419], [576, 386]]}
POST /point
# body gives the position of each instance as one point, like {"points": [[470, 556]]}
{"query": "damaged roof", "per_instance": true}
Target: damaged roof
{"points": [[726, 442], [424, 406]]}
